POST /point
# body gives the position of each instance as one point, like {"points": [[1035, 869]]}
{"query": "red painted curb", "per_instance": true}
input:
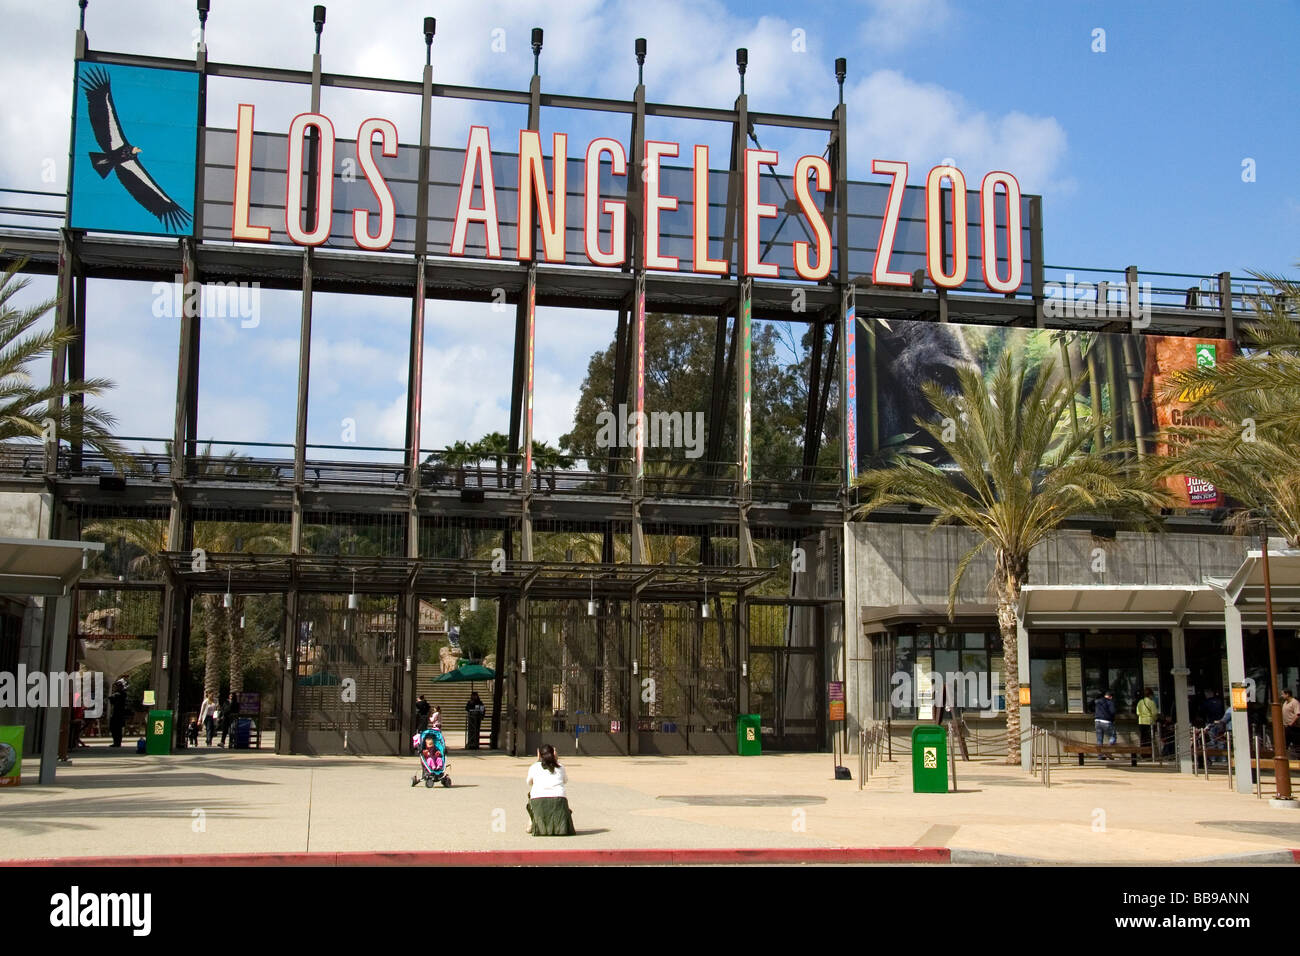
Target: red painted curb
{"points": [[1295, 855], [632, 857]]}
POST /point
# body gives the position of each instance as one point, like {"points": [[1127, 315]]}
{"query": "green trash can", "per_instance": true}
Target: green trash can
{"points": [[929, 759], [158, 732], [749, 735]]}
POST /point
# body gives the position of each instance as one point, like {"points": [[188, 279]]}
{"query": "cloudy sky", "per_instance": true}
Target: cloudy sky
{"points": [[1137, 149]]}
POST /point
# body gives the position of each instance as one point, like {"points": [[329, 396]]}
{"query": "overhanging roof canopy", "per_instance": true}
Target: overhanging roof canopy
{"points": [[540, 580], [1068, 607], [41, 566]]}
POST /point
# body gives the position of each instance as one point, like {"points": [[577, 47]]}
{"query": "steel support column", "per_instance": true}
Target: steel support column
{"points": [[744, 453], [287, 665]]}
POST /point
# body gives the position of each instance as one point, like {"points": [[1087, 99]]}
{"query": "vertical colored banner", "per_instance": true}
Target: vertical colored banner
{"points": [[530, 335], [850, 380], [11, 756], [1167, 355], [746, 383], [417, 367], [639, 417]]}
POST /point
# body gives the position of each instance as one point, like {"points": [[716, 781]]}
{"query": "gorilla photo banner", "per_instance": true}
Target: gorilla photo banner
{"points": [[1122, 375]]}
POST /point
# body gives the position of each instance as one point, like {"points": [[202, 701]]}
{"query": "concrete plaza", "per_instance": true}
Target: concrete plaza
{"points": [[117, 803]]}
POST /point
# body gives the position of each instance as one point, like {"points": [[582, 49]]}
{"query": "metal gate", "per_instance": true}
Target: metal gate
{"points": [[687, 681], [578, 677], [348, 687], [786, 675]]}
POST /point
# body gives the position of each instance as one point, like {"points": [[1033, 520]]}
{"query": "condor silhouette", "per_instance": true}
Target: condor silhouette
{"points": [[120, 157]]}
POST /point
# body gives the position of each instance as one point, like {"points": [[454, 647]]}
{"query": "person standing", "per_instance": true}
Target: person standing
{"points": [[230, 720], [474, 711], [1147, 713], [208, 717], [421, 714], [1290, 719], [1104, 719], [117, 722], [435, 719]]}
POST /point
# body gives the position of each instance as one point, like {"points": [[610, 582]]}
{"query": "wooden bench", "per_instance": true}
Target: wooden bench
{"points": [[1082, 749]]}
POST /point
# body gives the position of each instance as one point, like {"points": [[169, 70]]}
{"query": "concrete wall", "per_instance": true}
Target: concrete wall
{"points": [[889, 564], [26, 515]]}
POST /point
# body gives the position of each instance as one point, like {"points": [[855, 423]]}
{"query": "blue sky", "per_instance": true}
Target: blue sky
{"points": [[1137, 151]]}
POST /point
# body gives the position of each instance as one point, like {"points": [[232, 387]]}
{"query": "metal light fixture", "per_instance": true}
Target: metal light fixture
{"points": [[634, 667], [591, 602], [288, 662], [228, 599], [164, 662], [203, 6], [523, 665], [473, 600], [742, 61], [318, 18], [353, 601], [543, 627], [841, 70], [744, 668], [408, 665], [640, 60], [537, 47], [85, 560], [241, 622], [430, 28], [704, 608]]}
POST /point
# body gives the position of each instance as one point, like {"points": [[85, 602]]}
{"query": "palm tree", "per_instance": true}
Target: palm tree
{"points": [[1244, 430], [24, 405], [1272, 367], [149, 537], [1020, 469]]}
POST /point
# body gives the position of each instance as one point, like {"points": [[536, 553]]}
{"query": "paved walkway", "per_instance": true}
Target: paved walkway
{"points": [[117, 803]]}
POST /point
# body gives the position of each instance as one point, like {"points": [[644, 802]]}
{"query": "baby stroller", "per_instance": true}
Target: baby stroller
{"points": [[433, 758]]}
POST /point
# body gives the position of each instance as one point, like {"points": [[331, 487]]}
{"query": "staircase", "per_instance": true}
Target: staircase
{"points": [[452, 699]]}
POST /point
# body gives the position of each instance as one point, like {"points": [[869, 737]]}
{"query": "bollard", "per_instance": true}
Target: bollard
{"points": [[1227, 743], [862, 759], [1258, 772]]}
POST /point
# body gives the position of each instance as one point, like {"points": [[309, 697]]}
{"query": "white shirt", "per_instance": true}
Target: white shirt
{"points": [[209, 709], [544, 783]]}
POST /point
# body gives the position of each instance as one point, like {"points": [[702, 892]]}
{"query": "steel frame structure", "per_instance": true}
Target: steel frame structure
{"points": [[170, 486]]}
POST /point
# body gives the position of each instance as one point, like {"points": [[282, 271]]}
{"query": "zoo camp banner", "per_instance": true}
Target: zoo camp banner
{"points": [[1126, 377]]}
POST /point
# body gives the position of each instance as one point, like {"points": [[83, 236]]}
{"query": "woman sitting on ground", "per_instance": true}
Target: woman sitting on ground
{"points": [[548, 806]]}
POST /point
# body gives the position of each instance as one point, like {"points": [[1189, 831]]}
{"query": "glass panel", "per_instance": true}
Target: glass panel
{"points": [[974, 640], [1047, 684], [904, 672], [1123, 677]]}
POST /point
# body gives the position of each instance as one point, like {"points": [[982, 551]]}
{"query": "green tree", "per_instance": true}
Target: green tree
{"points": [[24, 405], [217, 624], [1022, 468], [679, 378]]}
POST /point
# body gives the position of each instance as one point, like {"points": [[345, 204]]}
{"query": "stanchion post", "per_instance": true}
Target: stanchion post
{"points": [[1257, 769]]}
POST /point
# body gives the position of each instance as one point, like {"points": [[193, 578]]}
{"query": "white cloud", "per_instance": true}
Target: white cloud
{"points": [[893, 117]]}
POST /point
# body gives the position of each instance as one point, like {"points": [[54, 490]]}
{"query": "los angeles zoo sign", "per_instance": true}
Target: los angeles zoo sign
{"points": [[605, 219]]}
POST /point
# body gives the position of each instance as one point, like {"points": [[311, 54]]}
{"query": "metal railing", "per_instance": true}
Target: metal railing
{"points": [[440, 470], [875, 745], [1040, 764]]}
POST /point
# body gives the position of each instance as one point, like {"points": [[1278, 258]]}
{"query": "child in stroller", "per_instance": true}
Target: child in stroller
{"points": [[433, 758]]}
